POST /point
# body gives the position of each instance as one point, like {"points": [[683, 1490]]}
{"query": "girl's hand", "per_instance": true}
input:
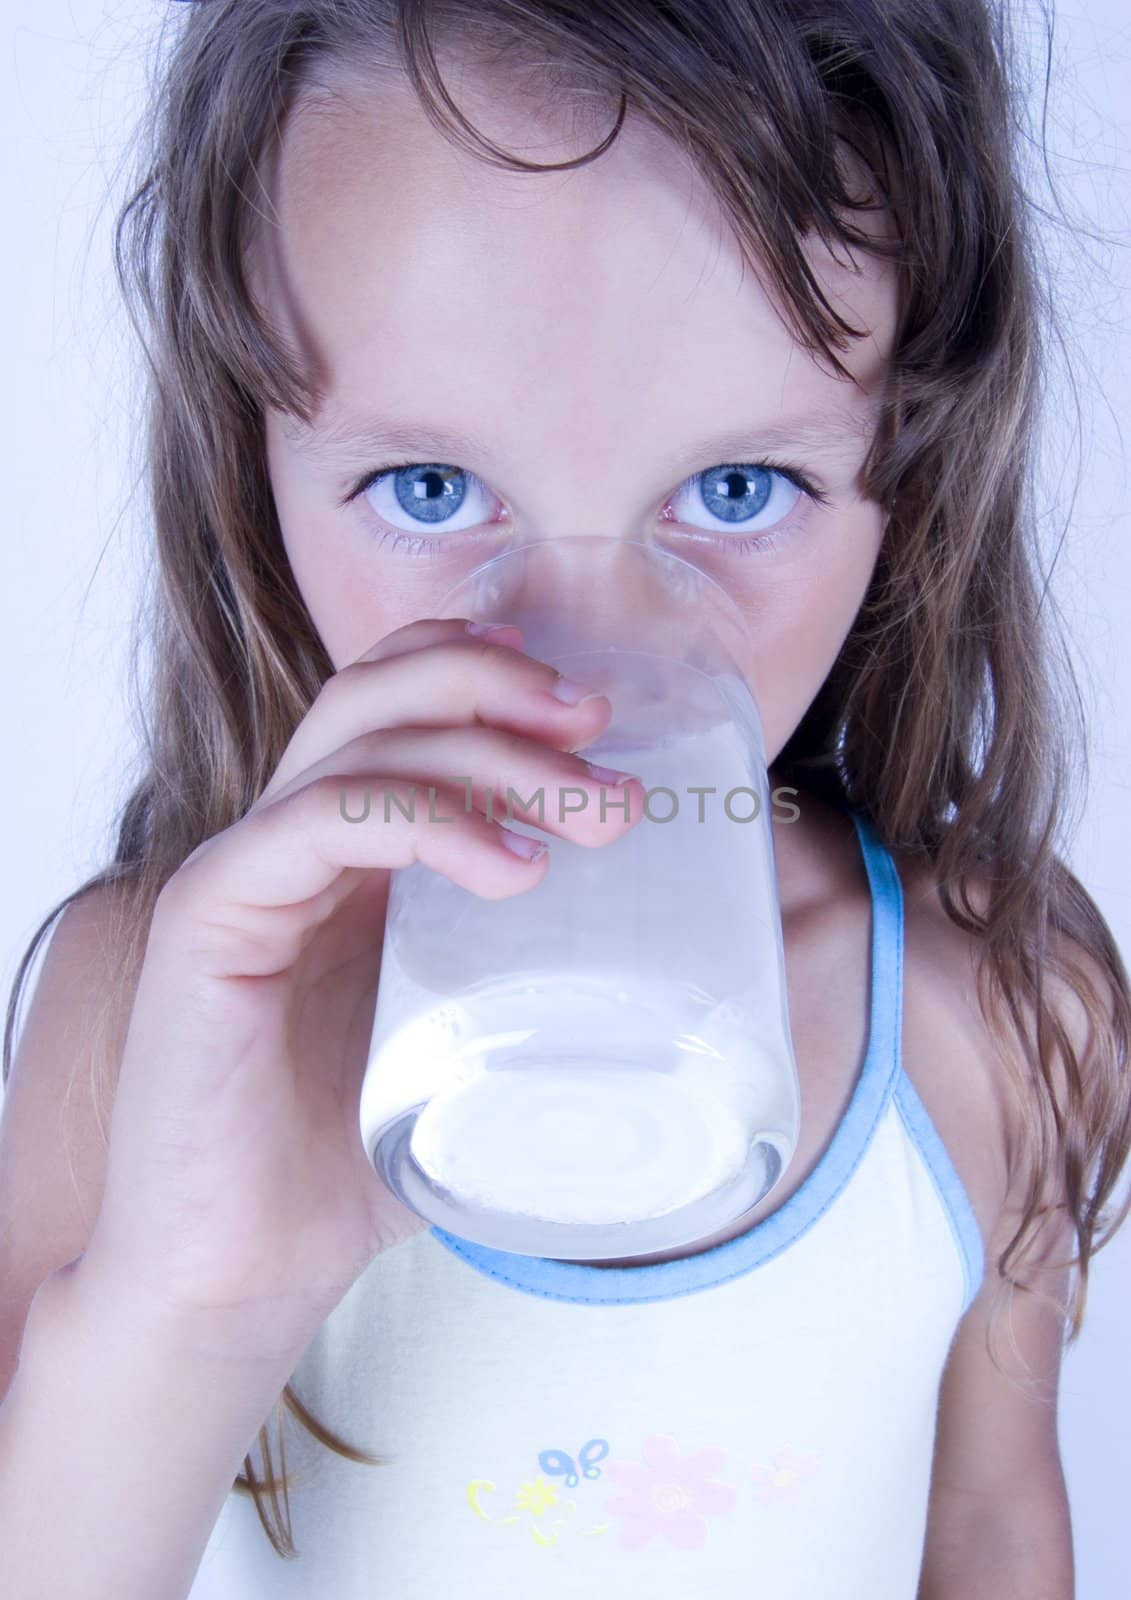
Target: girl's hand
{"points": [[238, 1194]]}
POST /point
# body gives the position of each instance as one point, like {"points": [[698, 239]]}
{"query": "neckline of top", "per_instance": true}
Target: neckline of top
{"points": [[666, 1280]]}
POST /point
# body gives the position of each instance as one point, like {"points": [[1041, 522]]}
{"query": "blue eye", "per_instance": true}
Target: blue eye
{"points": [[749, 503], [741, 497], [427, 494]]}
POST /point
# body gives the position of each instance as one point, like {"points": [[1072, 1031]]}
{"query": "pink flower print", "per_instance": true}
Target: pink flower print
{"points": [[780, 1480], [668, 1493]]}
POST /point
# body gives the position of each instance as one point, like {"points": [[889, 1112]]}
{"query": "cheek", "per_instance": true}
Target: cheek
{"points": [[337, 569], [329, 570], [800, 603], [355, 591], [323, 579]]}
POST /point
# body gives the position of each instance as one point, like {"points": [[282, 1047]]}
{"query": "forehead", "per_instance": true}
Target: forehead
{"points": [[400, 263]]}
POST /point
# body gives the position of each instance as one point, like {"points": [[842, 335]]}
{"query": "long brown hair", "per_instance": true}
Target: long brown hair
{"points": [[951, 661]]}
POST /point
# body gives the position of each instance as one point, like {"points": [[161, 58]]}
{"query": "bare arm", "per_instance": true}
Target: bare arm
{"points": [[123, 1424], [998, 1522], [120, 1436], [235, 1204], [122, 1429]]}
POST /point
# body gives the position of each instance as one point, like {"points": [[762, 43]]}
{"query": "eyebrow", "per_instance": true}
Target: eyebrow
{"points": [[356, 441]]}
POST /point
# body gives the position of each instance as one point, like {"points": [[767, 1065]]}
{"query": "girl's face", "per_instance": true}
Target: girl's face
{"points": [[506, 357]]}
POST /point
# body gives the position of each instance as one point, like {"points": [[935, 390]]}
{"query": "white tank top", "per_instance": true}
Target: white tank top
{"points": [[757, 1418]]}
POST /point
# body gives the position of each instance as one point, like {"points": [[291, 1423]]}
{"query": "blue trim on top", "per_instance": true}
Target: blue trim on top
{"points": [[951, 1190], [666, 1280]]}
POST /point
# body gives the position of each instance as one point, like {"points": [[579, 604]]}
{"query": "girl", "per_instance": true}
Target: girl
{"points": [[418, 281]]}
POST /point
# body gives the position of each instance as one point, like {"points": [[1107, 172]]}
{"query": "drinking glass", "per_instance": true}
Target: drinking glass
{"points": [[600, 1066]]}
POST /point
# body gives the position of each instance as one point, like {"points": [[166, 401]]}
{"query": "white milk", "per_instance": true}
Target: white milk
{"points": [[614, 1044]]}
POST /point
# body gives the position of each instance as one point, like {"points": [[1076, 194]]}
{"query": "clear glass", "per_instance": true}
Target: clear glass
{"points": [[601, 1066]]}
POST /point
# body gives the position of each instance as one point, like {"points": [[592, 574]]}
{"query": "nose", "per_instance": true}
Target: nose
{"points": [[606, 590]]}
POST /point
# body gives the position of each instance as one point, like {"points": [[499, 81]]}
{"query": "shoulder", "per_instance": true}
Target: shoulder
{"points": [[972, 1075], [55, 1105], [74, 1006], [80, 971]]}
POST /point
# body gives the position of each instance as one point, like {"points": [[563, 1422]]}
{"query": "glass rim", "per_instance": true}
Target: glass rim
{"points": [[597, 538]]}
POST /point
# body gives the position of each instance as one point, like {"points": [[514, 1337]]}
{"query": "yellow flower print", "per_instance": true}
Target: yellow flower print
{"points": [[536, 1497]]}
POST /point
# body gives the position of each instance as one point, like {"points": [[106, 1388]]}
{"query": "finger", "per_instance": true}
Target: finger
{"points": [[218, 910], [526, 781], [459, 680], [423, 631]]}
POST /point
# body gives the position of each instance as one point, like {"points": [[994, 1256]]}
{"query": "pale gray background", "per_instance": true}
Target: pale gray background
{"points": [[71, 80]]}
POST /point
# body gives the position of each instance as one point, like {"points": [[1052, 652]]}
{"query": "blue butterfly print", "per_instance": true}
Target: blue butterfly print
{"points": [[558, 1464]]}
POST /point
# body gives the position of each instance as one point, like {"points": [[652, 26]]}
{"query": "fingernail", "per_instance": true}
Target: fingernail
{"points": [[479, 628], [572, 692], [522, 845], [607, 775]]}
